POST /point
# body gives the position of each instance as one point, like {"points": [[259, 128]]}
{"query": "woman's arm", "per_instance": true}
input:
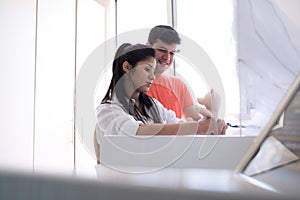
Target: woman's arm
{"points": [[186, 128]]}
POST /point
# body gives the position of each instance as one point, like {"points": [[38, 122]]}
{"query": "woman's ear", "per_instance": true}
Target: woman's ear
{"points": [[126, 66]]}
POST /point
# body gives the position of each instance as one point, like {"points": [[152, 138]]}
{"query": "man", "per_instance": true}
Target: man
{"points": [[169, 90]]}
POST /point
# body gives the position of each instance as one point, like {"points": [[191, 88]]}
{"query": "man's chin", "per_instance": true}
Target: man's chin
{"points": [[163, 68], [164, 65]]}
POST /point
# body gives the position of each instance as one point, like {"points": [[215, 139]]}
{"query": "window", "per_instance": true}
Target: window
{"points": [[137, 14], [210, 25]]}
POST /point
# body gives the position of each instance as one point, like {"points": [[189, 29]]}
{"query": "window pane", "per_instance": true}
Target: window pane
{"points": [[17, 38], [209, 24], [54, 87], [91, 32], [137, 14]]}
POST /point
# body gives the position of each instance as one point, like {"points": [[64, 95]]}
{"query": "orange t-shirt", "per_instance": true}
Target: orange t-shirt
{"points": [[172, 93]]}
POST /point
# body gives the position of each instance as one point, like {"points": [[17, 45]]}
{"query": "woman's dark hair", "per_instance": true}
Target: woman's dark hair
{"points": [[164, 33], [132, 54]]}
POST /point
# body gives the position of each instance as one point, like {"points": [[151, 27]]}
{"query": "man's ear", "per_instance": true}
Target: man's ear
{"points": [[126, 66], [148, 43]]}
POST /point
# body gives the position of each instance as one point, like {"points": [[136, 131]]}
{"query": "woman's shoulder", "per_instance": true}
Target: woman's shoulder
{"points": [[104, 106], [155, 101]]}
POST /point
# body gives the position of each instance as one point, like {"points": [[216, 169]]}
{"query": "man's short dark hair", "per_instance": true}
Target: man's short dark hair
{"points": [[164, 33]]}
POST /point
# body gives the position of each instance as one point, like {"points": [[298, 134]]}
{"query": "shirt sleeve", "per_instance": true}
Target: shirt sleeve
{"points": [[183, 93], [168, 116], [112, 120]]}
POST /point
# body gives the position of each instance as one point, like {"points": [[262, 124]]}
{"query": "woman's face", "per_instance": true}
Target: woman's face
{"points": [[142, 75]]}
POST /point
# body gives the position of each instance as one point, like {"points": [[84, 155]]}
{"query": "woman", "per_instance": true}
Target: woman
{"points": [[126, 109]]}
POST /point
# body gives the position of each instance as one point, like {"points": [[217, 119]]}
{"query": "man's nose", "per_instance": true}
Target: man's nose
{"points": [[167, 55]]}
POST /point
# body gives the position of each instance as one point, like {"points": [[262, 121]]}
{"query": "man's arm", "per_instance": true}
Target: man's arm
{"points": [[191, 112]]}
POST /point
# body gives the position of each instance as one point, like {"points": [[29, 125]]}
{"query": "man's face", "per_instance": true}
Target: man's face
{"points": [[164, 55]]}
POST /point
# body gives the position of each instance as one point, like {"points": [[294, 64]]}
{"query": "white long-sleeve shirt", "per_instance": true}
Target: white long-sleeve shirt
{"points": [[113, 120]]}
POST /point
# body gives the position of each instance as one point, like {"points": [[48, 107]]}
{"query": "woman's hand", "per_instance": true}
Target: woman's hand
{"points": [[222, 126], [210, 126]]}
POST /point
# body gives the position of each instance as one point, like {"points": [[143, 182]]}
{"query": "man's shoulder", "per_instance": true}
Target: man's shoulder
{"points": [[170, 79]]}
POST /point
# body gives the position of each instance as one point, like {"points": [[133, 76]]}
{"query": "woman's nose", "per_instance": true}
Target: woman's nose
{"points": [[152, 76]]}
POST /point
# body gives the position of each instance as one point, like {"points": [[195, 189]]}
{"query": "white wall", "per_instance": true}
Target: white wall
{"points": [[40, 58], [17, 64]]}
